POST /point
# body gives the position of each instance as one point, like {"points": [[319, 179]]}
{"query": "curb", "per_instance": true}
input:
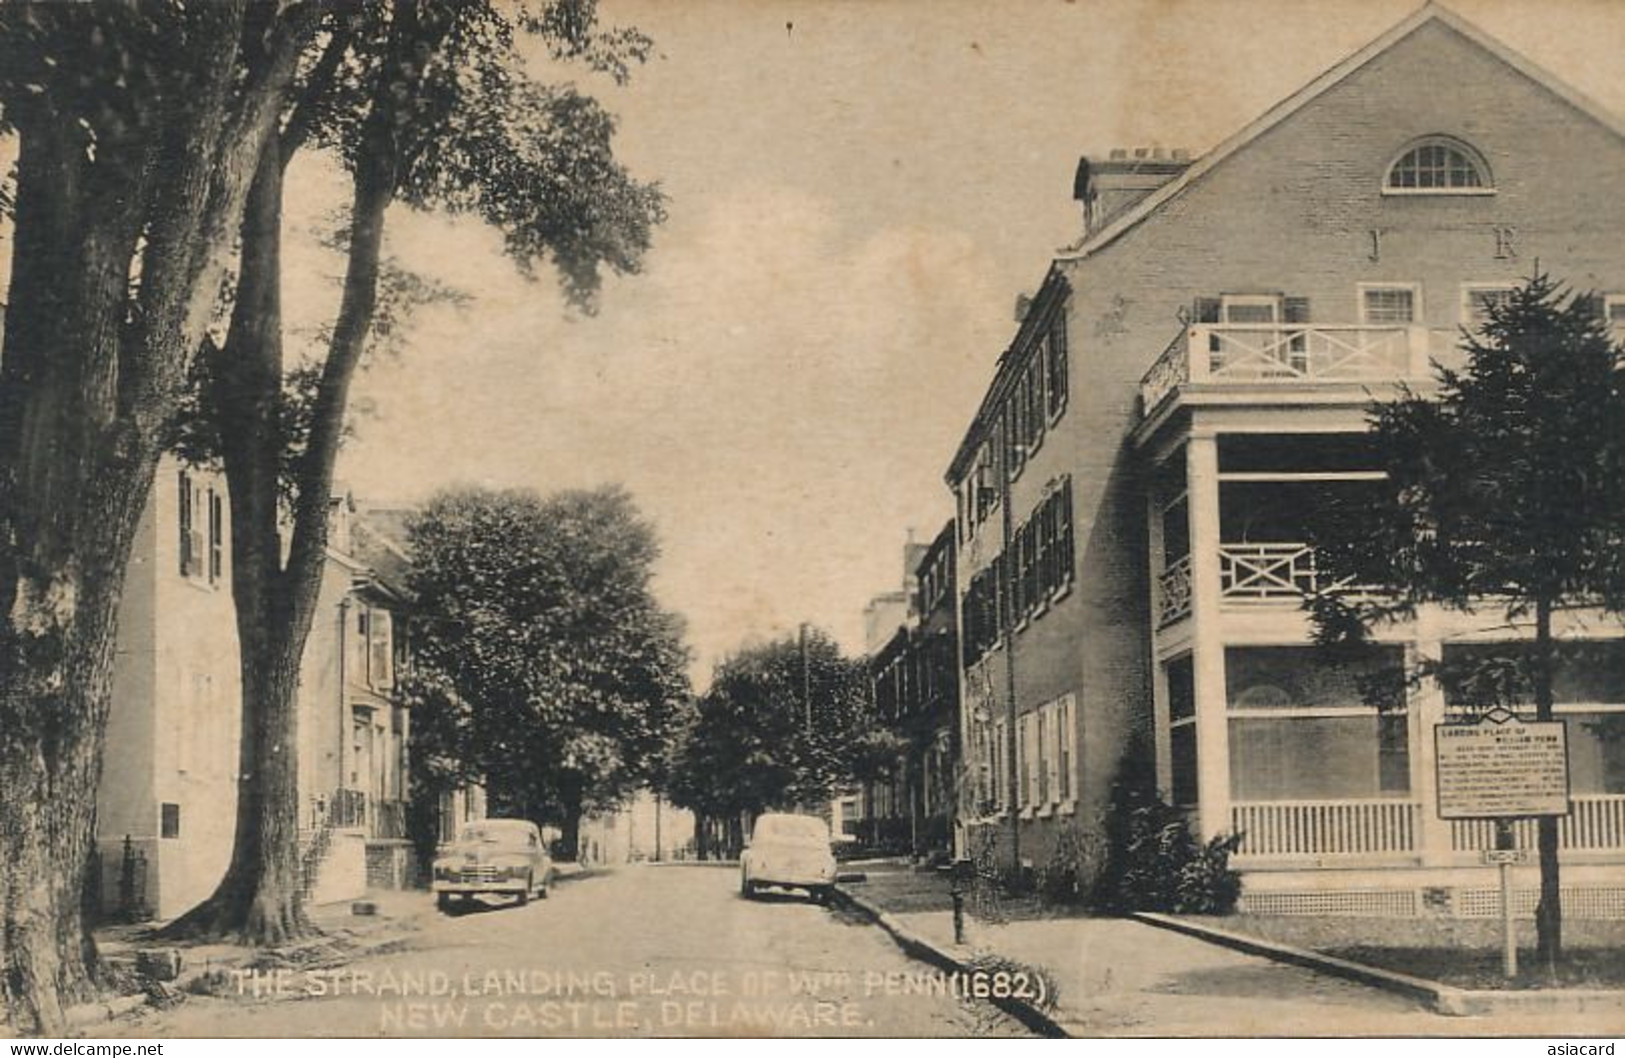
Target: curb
{"points": [[691, 863], [1440, 998], [560, 877], [917, 947]]}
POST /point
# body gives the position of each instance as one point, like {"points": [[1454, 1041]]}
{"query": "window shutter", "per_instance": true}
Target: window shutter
{"points": [[184, 511], [996, 768], [383, 659], [1069, 732], [1205, 310], [1052, 753], [1033, 763]]}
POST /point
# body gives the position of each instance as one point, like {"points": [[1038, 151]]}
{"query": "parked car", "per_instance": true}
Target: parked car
{"points": [[791, 852], [502, 856]]}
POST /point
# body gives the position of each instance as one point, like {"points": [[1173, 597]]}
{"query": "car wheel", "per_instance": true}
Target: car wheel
{"points": [[747, 888], [445, 902], [524, 894], [541, 890]]}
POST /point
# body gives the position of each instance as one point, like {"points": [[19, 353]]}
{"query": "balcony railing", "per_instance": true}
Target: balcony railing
{"points": [[1174, 592], [1320, 829], [1272, 353], [1269, 572], [1595, 823]]}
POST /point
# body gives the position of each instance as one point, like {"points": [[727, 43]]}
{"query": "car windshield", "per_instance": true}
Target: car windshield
{"points": [[791, 828], [493, 834]]}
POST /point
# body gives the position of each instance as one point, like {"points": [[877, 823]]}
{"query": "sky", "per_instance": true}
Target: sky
{"points": [[858, 192]]}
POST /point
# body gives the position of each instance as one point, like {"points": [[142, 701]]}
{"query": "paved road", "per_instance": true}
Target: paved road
{"points": [[667, 951]]}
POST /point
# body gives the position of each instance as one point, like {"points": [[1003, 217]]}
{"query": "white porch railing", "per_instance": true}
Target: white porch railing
{"points": [[1595, 823], [1267, 353], [1174, 592], [1284, 571], [1298, 829]]}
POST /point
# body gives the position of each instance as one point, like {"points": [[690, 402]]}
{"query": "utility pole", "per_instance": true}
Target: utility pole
{"points": [[657, 826], [806, 679]]}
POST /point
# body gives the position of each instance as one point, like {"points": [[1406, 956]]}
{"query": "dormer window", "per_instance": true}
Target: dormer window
{"points": [[1439, 165]]}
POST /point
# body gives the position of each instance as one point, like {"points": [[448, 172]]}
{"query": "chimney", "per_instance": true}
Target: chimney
{"points": [[1108, 186], [1024, 304]]}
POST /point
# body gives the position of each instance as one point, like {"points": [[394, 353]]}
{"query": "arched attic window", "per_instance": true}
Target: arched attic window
{"points": [[1439, 165]]}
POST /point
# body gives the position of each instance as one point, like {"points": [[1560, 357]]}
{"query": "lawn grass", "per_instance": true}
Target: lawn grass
{"points": [[1464, 952]]}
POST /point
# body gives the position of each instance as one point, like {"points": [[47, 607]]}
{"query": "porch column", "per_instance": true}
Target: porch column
{"points": [[1212, 730], [1427, 709], [1162, 747]]}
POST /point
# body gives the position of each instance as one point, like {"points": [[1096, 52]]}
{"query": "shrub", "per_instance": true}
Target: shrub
{"points": [[1155, 863], [1074, 858]]}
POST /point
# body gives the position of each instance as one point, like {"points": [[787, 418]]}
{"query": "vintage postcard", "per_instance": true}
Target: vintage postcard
{"points": [[812, 518]]}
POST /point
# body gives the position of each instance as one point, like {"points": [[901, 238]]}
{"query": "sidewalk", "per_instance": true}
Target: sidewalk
{"points": [[1119, 977]]}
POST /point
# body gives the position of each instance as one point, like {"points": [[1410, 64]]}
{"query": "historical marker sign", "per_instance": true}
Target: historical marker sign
{"points": [[1497, 769]]}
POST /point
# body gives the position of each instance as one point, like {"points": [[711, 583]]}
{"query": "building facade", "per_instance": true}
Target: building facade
{"points": [[353, 730], [915, 677], [1228, 320], [167, 800], [165, 809]]}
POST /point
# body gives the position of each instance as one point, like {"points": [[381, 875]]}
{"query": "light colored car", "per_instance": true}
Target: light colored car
{"points": [[502, 856], [791, 852]]}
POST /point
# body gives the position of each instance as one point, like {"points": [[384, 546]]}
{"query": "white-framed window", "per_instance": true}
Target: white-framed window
{"points": [[1438, 165], [1476, 299], [1388, 303], [1058, 780], [1180, 675], [1264, 316], [1303, 729], [187, 502], [217, 536], [1043, 781], [381, 650], [1069, 764], [1613, 310], [1055, 370], [1588, 692], [1250, 308], [1031, 766]]}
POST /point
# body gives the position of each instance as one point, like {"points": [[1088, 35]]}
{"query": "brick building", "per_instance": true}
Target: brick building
{"points": [[915, 677], [1189, 381]]}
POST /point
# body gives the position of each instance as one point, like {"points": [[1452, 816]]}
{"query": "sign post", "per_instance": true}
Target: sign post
{"points": [[1502, 769]]}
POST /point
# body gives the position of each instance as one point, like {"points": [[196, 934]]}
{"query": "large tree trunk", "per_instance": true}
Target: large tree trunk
{"points": [[74, 479], [260, 899], [88, 382], [1549, 910]]}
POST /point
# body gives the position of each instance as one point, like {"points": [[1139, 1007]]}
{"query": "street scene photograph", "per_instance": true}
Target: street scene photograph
{"points": [[801, 519]]}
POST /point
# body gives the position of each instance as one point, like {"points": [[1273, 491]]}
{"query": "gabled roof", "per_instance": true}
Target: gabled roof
{"points": [[1429, 13]]}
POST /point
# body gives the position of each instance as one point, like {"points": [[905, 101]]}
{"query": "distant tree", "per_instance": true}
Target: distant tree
{"points": [[1505, 491], [428, 105], [780, 727], [538, 615]]}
